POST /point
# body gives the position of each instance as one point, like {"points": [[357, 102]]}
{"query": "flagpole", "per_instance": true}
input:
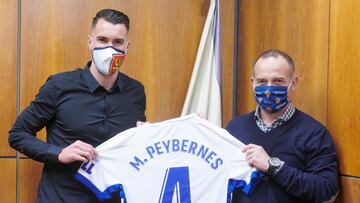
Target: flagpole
{"points": [[235, 63]]}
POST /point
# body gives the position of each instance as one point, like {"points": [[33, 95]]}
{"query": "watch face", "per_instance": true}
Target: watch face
{"points": [[275, 161]]}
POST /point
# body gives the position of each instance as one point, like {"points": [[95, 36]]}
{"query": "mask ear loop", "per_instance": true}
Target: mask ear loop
{"points": [[254, 86], [288, 88], [291, 82], [127, 48]]}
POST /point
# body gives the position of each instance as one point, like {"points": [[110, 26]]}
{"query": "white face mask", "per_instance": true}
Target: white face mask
{"points": [[108, 59]]}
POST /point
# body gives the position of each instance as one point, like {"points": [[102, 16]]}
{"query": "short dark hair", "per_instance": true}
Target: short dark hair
{"points": [[112, 16], [275, 53]]}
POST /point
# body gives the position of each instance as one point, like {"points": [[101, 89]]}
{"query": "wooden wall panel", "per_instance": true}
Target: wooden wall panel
{"points": [[8, 180], [344, 79], [8, 63], [29, 177], [227, 54], [350, 190], [298, 27]]}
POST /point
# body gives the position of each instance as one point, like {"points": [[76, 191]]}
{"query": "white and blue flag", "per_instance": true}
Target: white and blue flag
{"points": [[204, 92]]}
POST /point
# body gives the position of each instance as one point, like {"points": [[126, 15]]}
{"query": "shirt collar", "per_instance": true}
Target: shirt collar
{"points": [[288, 113], [290, 110], [93, 84], [257, 113]]}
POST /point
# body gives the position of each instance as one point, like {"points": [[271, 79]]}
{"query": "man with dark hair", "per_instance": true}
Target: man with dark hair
{"points": [[80, 110], [294, 150]]}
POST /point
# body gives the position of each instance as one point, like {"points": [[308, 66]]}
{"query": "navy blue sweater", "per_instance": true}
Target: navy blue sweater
{"points": [[310, 170]]}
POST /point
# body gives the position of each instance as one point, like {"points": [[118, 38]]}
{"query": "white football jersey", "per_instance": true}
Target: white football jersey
{"points": [[186, 159]]}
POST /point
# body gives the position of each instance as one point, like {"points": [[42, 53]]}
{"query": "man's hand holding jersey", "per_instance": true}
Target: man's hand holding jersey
{"points": [[77, 151]]}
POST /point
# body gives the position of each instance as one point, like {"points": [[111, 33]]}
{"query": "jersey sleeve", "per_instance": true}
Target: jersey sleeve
{"points": [[241, 175], [105, 175]]}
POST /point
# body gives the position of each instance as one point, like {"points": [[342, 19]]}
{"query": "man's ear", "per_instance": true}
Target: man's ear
{"points": [[89, 42], [128, 46], [294, 83]]}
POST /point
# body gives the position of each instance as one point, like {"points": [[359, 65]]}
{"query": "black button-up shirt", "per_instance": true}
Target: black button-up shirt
{"points": [[73, 106]]}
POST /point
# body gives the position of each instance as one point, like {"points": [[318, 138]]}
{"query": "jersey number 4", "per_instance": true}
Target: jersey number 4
{"points": [[176, 186]]}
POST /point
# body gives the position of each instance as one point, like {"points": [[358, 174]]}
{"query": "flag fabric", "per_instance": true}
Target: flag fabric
{"points": [[204, 92]]}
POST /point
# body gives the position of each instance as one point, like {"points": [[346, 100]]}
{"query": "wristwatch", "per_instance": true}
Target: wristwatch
{"points": [[274, 165]]}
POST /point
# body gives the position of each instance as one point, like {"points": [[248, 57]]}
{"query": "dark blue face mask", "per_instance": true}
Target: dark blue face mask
{"points": [[271, 98]]}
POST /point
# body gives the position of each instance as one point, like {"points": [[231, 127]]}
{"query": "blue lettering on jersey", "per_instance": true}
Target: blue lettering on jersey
{"points": [[184, 145], [137, 163], [203, 151], [158, 148], [166, 145], [192, 148], [176, 145], [210, 157], [86, 168], [150, 150], [218, 162]]}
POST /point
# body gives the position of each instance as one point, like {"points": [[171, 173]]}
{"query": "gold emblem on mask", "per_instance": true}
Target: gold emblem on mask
{"points": [[277, 100], [267, 93]]}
